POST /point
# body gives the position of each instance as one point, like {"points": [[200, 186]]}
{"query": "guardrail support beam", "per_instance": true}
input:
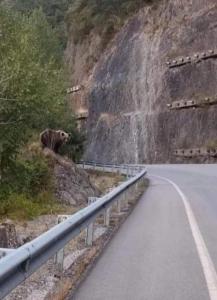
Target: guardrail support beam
{"points": [[89, 235], [119, 205], [136, 187], [125, 199], [59, 257], [107, 217]]}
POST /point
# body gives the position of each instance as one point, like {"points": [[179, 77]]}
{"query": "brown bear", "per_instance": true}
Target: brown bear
{"points": [[53, 139]]}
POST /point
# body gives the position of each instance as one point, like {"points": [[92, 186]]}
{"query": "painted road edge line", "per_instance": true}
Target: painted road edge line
{"points": [[203, 253]]}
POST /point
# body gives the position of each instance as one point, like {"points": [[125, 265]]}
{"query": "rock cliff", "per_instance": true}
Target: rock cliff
{"points": [[72, 185], [130, 85]]}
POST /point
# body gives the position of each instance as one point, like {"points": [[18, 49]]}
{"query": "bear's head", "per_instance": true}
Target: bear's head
{"points": [[64, 137]]}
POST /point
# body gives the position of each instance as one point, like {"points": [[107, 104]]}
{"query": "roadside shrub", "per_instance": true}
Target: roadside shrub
{"points": [[74, 148], [29, 176], [24, 207], [29, 190]]}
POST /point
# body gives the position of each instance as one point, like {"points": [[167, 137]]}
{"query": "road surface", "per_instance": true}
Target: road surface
{"points": [[167, 248]]}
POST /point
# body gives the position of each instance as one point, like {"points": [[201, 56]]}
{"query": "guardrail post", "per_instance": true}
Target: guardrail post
{"points": [[89, 235], [129, 193], [89, 230], [59, 261], [127, 172], [119, 205], [59, 257], [126, 198], [134, 171], [136, 186], [107, 217]]}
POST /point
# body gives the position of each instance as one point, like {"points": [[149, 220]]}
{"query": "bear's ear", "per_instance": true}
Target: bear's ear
{"points": [[59, 132]]}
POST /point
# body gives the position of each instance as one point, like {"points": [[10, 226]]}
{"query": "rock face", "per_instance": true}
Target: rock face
{"points": [[129, 120], [72, 185], [81, 57]]}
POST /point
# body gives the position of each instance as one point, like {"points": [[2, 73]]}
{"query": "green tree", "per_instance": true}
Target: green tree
{"points": [[32, 83], [54, 10]]}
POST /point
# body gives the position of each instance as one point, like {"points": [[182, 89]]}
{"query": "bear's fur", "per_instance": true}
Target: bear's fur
{"points": [[53, 139]]}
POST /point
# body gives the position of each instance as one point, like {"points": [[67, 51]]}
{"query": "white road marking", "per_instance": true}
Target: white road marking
{"points": [[205, 259]]}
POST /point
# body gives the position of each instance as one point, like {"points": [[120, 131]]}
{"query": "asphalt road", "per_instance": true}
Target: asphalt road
{"points": [[167, 248]]}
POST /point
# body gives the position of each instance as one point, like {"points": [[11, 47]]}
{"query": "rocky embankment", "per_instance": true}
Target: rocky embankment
{"points": [[130, 86], [73, 185]]}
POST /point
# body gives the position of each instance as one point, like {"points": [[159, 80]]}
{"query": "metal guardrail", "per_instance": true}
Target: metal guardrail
{"points": [[4, 252], [19, 264], [125, 169]]}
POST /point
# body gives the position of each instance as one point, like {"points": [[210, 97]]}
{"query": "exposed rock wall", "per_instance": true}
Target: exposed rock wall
{"points": [[131, 85], [81, 57], [72, 185]]}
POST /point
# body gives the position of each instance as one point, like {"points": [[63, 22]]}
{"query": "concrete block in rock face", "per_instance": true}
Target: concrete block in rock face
{"points": [[8, 236]]}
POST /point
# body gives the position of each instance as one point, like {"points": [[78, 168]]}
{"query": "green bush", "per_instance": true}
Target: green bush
{"points": [[74, 148], [24, 207], [29, 175], [34, 176], [54, 10], [29, 190]]}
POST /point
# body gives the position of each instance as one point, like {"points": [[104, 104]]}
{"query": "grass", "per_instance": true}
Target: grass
{"points": [[22, 207]]}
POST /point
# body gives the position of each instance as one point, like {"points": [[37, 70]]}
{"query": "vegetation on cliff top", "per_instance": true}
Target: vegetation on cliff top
{"points": [[104, 16], [54, 10], [82, 16]]}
